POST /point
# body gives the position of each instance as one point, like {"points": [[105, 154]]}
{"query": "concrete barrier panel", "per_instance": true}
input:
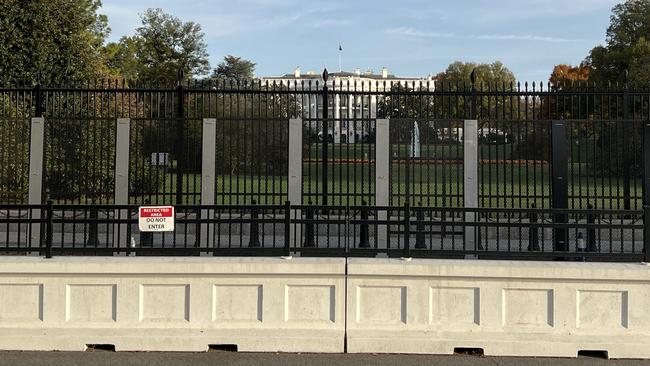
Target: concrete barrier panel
{"points": [[172, 304], [506, 308], [298, 305]]}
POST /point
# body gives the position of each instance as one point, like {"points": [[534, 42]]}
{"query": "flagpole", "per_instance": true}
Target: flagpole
{"points": [[340, 69], [340, 52]]}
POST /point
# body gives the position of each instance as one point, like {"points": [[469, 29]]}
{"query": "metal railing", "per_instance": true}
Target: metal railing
{"points": [[347, 231]]}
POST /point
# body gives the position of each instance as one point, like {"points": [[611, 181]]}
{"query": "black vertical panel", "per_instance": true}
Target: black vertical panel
{"points": [[180, 140], [559, 173], [627, 135], [325, 146], [646, 190], [646, 163]]}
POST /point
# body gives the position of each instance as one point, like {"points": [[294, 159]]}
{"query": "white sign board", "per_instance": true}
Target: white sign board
{"points": [[156, 218]]}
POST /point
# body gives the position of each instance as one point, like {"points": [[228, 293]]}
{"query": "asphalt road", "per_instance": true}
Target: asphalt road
{"points": [[283, 359]]}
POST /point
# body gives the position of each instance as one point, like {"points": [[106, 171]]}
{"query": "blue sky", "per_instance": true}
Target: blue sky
{"points": [[409, 37]]}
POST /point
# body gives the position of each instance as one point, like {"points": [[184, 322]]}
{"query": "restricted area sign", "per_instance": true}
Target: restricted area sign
{"points": [[156, 218]]}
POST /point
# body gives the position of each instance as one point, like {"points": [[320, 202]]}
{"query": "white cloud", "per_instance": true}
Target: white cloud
{"points": [[225, 18], [512, 10], [411, 32]]}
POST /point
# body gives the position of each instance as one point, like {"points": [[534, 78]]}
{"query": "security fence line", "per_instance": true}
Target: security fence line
{"points": [[470, 230], [604, 141], [508, 152]]}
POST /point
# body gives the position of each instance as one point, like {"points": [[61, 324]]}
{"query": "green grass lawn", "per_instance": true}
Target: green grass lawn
{"points": [[431, 184], [579, 150], [428, 182]]}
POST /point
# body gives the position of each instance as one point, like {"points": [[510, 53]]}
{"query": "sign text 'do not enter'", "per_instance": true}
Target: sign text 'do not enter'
{"points": [[156, 218]]}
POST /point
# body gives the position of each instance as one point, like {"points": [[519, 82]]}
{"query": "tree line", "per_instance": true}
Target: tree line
{"points": [[64, 43]]}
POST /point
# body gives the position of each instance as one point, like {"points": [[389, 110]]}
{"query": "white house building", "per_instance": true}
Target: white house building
{"points": [[350, 113]]}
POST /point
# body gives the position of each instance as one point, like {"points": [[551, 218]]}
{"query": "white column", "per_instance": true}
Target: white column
{"points": [[208, 176], [295, 171], [382, 177], [351, 124], [122, 143], [337, 119], [470, 174], [35, 191]]}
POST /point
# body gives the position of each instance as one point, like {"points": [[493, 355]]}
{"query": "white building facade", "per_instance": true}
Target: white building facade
{"points": [[353, 99]]}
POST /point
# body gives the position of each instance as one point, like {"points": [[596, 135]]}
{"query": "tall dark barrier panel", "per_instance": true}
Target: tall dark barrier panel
{"points": [[627, 163], [559, 169], [180, 138], [646, 191], [325, 106]]}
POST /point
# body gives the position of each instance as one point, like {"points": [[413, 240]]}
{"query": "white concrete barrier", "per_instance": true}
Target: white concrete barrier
{"points": [[299, 305], [172, 304], [503, 307]]}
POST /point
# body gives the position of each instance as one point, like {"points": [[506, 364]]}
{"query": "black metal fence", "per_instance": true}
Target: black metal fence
{"points": [[406, 231], [251, 161], [578, 147]]}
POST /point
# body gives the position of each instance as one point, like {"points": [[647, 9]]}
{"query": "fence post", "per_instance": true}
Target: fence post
{"points": [[474, 106], [180, 138], [325, 152], [38, 97], [470, 179], [591, 232], [287, 228], [93, 226], [559, 175], [627, 158], [208, 176], [533, 231], [473, 116], [646, 233], [309, 228], [35, 190], [295, 172], [146, 240], [363, 230], [382, 178], [646, 191], [419, 228], [254, 231], [407, 229], [122, 145], [49, 230]]}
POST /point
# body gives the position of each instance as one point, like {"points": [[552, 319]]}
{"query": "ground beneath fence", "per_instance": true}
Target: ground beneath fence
{"points": [[100, 358]]}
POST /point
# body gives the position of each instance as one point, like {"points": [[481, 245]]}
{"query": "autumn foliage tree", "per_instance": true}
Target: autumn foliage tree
{"points": [[535, 144], [565, 75]]}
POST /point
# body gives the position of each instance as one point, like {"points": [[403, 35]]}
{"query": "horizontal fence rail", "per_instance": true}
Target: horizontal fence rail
{"points": [[406, 231]]}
